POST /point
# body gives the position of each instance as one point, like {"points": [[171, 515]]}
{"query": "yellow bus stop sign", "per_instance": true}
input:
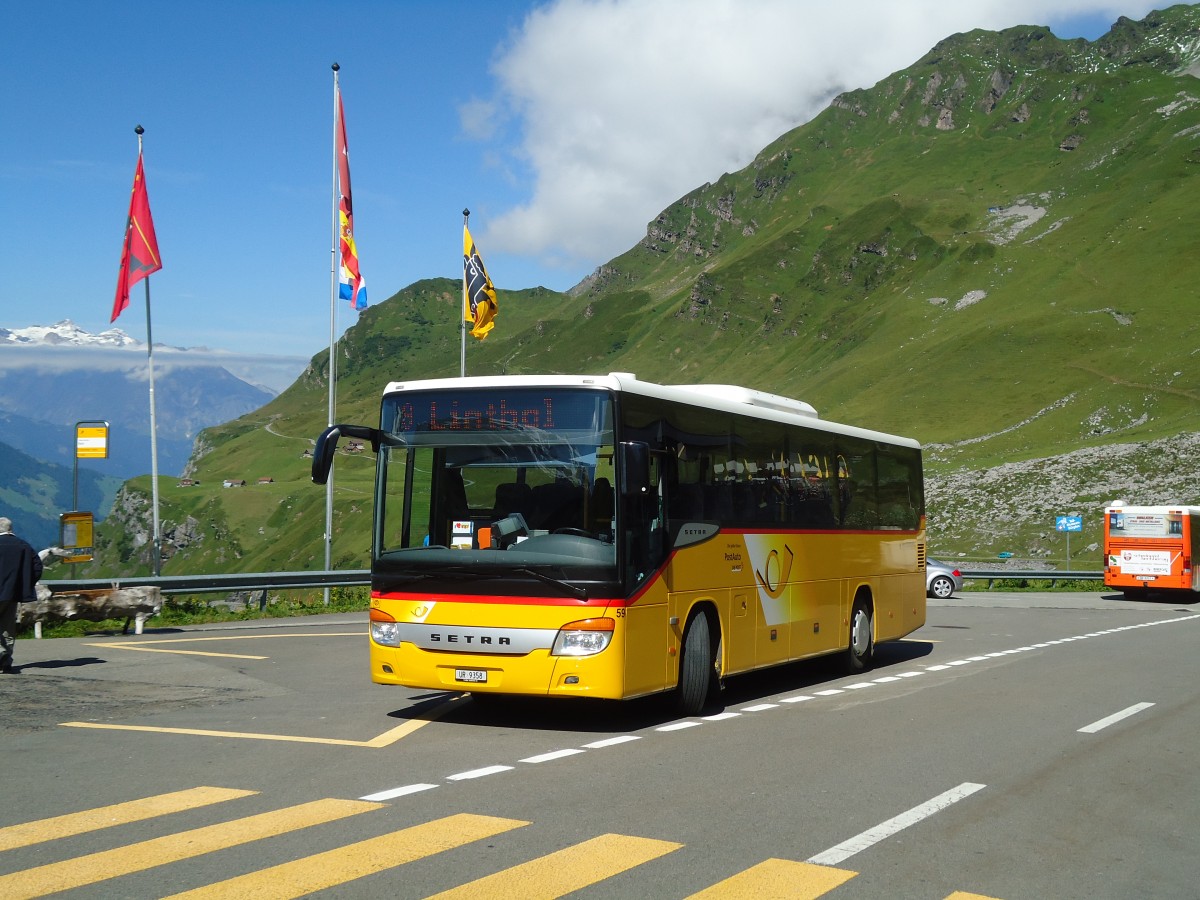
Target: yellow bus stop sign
{"points": [[75, 536], [91, 440]]}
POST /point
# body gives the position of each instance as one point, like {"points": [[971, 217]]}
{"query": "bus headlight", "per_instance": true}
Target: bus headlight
{"points": [[586, 637], [384, 630]]}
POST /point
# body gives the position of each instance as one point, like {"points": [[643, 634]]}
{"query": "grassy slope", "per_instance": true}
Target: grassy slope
{"points": [[814, 271]]}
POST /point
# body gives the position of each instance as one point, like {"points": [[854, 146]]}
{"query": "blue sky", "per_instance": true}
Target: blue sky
{"points": [[564, 126]]}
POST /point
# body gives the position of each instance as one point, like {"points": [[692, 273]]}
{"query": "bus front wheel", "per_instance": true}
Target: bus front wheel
{"points": [[862, 637], [696, 667]]}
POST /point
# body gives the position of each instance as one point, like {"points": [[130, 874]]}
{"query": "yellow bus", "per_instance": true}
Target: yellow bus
{"points": [[601, 536]]}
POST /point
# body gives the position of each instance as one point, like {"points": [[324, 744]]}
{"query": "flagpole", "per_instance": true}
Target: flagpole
{"points": [[462, 319], [333, 293], [156, 554]]}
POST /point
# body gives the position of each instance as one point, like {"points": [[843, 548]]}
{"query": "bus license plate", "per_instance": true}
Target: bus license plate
{"points": [[475, 676], [1146, 577]]}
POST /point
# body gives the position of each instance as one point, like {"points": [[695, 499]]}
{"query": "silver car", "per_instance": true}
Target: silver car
{"points": [[941, 580]]}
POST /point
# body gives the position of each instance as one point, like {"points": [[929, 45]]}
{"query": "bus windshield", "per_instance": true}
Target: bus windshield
{"points": [[497, 478]]}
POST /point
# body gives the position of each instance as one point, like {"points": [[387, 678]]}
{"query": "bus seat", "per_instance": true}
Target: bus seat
{"points": [[602, 506], [557, 505], [512, 497]]}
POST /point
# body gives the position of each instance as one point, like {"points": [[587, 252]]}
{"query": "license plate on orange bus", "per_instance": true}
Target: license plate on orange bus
{"points": [[474, 676]]}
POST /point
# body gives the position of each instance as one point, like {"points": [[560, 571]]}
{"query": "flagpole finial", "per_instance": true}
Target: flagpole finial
{"points": [[139, 130], [466, 214], [335, 67]]}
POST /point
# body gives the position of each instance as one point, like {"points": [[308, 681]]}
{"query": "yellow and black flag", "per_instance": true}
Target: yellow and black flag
{"points": [[479, 294]]}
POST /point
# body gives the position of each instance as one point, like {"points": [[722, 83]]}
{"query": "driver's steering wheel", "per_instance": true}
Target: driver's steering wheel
{"points": [[577, 532]]}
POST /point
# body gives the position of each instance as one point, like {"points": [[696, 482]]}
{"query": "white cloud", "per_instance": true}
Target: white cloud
{"points": [[626, 105], [273, 372]]}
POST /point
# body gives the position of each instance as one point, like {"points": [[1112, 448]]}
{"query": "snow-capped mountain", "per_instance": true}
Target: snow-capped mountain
{"points": [[54, 376], [67, 333]]}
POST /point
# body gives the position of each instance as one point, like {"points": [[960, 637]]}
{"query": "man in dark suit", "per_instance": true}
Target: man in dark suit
{"points": [[20, 569]]}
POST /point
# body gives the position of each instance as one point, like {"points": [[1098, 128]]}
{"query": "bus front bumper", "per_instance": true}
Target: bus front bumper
{"points": [[537, 673]]}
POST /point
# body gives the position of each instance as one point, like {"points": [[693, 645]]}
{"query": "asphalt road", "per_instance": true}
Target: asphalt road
{"points": [[1018, 746]]}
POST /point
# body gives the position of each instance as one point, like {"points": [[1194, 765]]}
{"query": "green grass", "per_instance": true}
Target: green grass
{"points": [[810, 273]]}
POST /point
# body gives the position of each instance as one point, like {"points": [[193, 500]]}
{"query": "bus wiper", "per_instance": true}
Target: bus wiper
{"points": [[441, 572], [577, 592]]}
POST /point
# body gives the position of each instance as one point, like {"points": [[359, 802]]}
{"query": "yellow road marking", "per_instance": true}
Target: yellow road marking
{"points": [[386, 739], [564, 871], [117, 814], [777, 879], [97, 867], [237, 637], [963, 895], [151, 646], [342, 864], [176, 652]]}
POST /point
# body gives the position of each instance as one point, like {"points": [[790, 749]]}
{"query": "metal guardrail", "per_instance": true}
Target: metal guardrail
{"points": [[259, 581], [201, 584], [991, 576]]}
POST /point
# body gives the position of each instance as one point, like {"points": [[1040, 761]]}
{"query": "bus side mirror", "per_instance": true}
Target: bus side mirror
{"points": [[633, 468], [327, 446]]}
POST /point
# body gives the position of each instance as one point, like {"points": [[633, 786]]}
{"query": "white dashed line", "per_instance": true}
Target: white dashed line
{"points": [[478, 773], [677, 726], [1114, 718], [828, 857], [393, 793], [835, 855], [552, 755], [612, 741]]}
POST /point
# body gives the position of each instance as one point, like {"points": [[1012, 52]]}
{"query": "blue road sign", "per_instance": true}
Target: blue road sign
{"points": [[1068, 523]]}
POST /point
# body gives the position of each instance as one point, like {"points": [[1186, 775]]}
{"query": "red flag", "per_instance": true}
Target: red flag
{"points": [[139, 256]]}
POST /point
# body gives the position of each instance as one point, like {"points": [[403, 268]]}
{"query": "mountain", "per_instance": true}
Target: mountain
{"points": [[991, 250], [65, 333], [33, 493], [54, 376]]}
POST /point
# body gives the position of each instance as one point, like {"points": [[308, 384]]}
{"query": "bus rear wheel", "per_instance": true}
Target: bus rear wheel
{"points": [[862, 638], [696, 667]]}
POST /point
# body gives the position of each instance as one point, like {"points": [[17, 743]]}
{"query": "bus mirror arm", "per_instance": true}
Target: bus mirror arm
{"points": [[327, 446]]}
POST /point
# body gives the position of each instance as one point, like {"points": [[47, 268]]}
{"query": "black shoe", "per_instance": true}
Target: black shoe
{"points": [[7, 669]]}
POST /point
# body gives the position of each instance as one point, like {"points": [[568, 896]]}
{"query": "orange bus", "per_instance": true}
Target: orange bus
{"points": [[601, 536], [1149, 548]]}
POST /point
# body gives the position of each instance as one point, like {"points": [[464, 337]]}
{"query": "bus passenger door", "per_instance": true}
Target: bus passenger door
{"points": [[647, 637]]}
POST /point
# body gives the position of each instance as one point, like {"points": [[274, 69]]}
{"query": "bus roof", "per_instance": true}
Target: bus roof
{"points": [[1178, 509], [724, 397]]}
